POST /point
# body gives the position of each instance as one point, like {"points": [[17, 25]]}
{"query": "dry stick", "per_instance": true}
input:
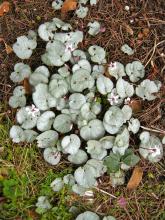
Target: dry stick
{"points": [[101, 190], [154, 130], [154, 48]]}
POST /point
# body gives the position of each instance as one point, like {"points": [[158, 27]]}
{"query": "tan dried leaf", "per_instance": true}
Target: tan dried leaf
{"points": [[135, 179]]}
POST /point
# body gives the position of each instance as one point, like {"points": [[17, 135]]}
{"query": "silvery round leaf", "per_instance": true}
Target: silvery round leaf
{"points": [[56, 54], [80, 190], [43, 203], [42, 98], [118, 178], [71, 144], [52, 155], [17, 134], [30, 135], [121, 142], [46, 30], [152, 150], [21, 71], [64, 71], [104, 85], [63, 123], [82, 64], [40, 75], [81, 79], [27, 117], [88, 216], [127, 49], [107, 142], [57, 184], [24, 47], [98, 167], [95, 149], [134, 125], [94, 28], [124, 88], [47, 139], [57, 4], [17, 101], [58, 87], [79, 158], [78, 55], [86, 112], [145, 137], [89, 131], [76, 100], [127, 112], [81, 12], [45, 121], [69, 179], [135, 71], [114, 117], [84, 178], [147, 89], [116, 70], [97, 54]]}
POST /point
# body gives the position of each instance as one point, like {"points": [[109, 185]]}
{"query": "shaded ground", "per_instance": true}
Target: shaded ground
{"points": [[25, 166]]}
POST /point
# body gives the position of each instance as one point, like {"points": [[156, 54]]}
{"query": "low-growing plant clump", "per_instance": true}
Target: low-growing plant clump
{"points": [[77, 111]]}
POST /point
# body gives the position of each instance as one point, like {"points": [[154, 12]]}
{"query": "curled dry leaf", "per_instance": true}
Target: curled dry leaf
{"points": [[8, 49], [4, 8], [136, 105], [27, 86], [129, 29], [135, 178], [69, 5]]}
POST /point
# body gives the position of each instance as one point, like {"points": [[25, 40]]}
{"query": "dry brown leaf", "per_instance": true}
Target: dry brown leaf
{"points": [[69, 5], [136, 105], [27, 86], [146, 32], [135, 178], [154, 71], [4, 8], [129, 29], [140, 35], [8, 48]]}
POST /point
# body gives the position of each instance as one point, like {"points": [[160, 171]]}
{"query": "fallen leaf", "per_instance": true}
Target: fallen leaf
{"points": [[68, 5], [154, 71], [8, 48], [136, 105], [140, 35], [129, 29], [4, 8], [146, 32], [135, 178], [27, 86]]}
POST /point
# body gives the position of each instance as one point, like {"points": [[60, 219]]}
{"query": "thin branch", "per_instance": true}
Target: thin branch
{"points": [[101, 190], [153, 130]]}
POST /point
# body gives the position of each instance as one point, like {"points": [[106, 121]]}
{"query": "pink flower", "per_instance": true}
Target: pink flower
{"points": [[122, 202], [112, 65], [32, 110], [114, 99], [69, 47]]}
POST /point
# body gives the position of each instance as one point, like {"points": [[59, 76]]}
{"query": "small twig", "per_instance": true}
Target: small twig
{"points": [[101, 190], [153, 51], [153, 130]]}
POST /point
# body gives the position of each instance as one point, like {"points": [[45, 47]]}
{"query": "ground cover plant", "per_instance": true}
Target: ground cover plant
{"points": [[82, 89]]}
